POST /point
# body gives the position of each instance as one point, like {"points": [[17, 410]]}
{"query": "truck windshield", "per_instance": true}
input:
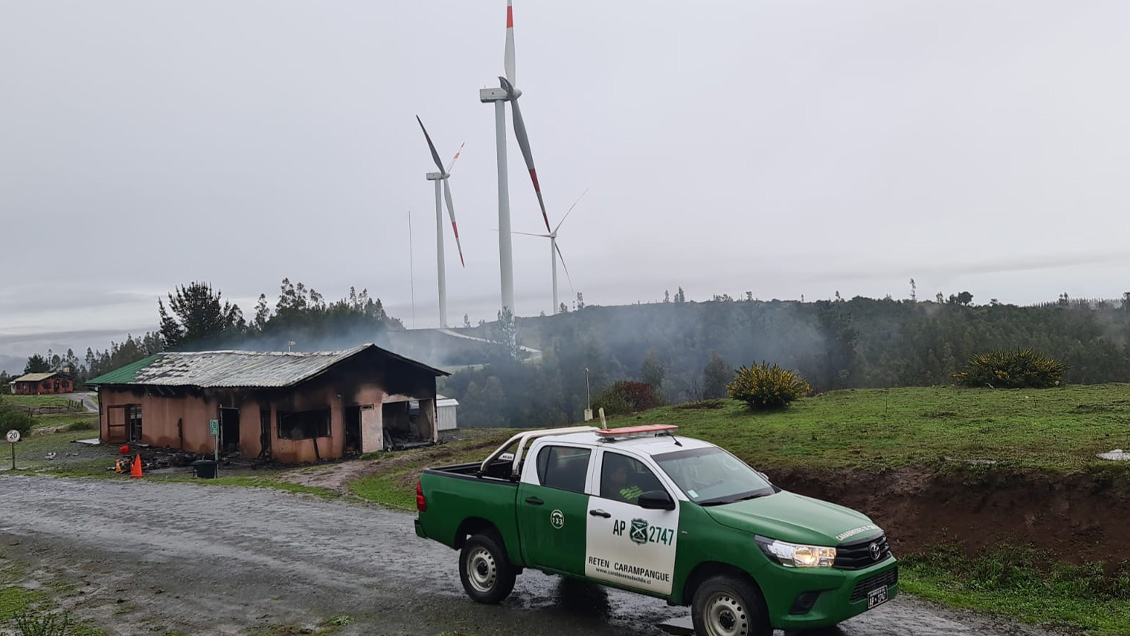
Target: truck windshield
{"points": [[711, 476]]}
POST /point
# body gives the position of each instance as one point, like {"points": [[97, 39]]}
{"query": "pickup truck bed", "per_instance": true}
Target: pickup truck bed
{"points": [[493, 505]]}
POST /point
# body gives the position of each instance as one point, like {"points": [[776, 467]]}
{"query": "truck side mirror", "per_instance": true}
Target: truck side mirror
{"points": [[656, 500]]}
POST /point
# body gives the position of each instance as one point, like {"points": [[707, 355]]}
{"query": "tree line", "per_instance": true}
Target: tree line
{"points": [[690, 350], [194, 317], [686, 350]]}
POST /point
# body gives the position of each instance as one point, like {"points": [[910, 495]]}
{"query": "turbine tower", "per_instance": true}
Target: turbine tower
{"points": [[438, 178], [508, 92], [555, 251]]}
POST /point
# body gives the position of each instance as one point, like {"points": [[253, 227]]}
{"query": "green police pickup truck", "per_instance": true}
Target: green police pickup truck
{"points": [[647, 510]]}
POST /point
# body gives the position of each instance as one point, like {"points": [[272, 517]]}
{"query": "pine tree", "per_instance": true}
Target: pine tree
{"points": [[716, 375], [195, 314], [652, 371]]}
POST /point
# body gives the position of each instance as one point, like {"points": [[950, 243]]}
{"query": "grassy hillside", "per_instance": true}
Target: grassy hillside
{"points": [[36, 401], [1058, 429], [1061, 429]]}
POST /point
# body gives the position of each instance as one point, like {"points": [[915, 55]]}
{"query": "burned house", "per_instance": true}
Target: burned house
{"points": [[42, 384], [293, 407]]}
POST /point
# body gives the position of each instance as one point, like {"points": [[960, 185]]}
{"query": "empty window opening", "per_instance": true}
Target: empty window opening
{"points": [[304, 424], [408, 423]]}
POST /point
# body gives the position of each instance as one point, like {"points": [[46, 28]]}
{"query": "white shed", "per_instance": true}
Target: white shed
{"points": [[445, 413]]}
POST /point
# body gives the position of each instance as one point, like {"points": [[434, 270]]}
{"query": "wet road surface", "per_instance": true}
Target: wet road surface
{"points": [[142, 557]]}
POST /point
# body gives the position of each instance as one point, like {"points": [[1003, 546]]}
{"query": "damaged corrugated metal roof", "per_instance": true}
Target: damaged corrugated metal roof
{"points": [[231, 369]]}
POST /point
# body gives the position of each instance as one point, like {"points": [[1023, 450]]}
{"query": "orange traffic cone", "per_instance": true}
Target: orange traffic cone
{"points": [[135, 470]]}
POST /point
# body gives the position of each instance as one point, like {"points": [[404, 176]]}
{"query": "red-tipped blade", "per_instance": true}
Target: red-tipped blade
{"points": [[451, 165], [508, 57], [524, 146], [451, 213]]}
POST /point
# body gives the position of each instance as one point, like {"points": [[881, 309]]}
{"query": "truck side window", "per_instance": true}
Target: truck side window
{"points": [[563, 467], [625, 479]]}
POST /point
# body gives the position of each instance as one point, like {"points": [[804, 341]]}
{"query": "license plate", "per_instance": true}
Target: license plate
{"points": [[877, 596]]}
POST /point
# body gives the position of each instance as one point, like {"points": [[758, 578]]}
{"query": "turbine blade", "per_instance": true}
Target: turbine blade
{"points": [[447, 170], [508, 57], [571, 209], [524, 144], [530, 234], [431, 146], [451, 213], [561, 257]]}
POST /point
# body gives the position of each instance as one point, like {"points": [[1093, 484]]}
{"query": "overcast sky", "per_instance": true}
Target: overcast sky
{"points": [[782, 147]]}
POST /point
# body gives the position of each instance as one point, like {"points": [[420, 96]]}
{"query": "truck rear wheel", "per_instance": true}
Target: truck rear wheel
{"points": [[729, 606], [485, 569]]}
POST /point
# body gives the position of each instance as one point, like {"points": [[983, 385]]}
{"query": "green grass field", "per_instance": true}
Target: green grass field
{"points": [[1058, 429], [1025, 584], [64, 420], [35, 401]]}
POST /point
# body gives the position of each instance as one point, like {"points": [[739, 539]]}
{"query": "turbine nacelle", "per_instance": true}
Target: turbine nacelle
{"points": [[512, 91]]}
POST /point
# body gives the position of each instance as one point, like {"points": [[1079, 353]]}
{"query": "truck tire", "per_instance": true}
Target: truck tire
{"points": [[729, 606], [485, 569]]}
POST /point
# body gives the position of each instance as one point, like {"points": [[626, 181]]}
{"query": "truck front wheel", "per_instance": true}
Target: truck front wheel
{"points": [[729, 606], [485, 570]]}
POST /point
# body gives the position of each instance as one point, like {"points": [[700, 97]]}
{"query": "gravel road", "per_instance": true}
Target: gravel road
{"points": [[146, 557]]}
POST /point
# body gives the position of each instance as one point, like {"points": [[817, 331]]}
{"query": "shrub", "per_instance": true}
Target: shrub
{"points": [[1019, 369], [766, 386], [13, 418], [628, 397], [80, 426]]}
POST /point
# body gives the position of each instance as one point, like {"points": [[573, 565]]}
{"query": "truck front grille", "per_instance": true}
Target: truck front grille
{"points": [[888, 578], [859, 554]]}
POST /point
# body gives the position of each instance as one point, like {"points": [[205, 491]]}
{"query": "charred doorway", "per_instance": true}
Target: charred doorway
{"points": [[229, 430], [264, 433], [408, 424], [353, 430]]}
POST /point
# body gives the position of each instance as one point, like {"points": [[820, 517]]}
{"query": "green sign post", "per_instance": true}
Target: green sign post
{"points": [[214, 428]]}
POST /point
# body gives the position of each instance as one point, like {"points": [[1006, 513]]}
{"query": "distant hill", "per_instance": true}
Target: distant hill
{"points": [[857, 343]]}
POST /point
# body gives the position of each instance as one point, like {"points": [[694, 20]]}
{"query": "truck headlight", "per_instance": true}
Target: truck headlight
{"points": [[792, 555]]}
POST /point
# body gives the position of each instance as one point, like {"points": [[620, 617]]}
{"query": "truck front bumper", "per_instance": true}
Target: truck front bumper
{"points": [[806, 599]]}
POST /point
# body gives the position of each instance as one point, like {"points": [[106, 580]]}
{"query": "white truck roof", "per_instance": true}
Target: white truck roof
{"points": [[645, 440], [656, 445]]}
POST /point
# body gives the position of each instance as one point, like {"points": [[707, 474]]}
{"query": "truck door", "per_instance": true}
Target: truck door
{"points": [[627, 544], [551, 509]]}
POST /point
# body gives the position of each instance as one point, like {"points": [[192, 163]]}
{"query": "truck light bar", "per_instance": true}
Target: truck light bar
{"points": [[626, 432]]}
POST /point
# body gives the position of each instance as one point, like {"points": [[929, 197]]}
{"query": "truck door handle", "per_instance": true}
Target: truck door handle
{"points": [[600, 513], [534, 501]]}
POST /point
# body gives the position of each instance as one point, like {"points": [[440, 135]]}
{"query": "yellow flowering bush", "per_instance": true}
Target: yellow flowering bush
{"points": [[1019, 369], [765, 386]]}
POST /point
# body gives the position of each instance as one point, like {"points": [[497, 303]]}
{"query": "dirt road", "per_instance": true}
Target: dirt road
{"points": [[156, 558]]}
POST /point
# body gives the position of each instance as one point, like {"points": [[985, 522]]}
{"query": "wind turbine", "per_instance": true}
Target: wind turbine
{"points": [[555, 251], [500, 96], [439, 177]]}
